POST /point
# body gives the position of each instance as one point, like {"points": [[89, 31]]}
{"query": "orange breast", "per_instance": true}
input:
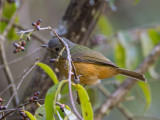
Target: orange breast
{"points": [[91, 73]]}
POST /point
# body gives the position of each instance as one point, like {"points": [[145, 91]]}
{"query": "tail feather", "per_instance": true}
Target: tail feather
{"points": [[132, 74]]}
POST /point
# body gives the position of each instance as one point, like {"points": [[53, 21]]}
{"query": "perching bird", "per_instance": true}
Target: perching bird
{"points": [[92, 66]]}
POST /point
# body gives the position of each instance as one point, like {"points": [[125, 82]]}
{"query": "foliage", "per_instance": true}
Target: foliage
{"points": [[52, 109], [130, 48], [8, 11]]}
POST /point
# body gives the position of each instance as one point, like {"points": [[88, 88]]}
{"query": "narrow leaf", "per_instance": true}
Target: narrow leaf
{"points": [[120, 55], [8, 11], [86, 107], [147, 93], [127, 42], [154, 36], [105, 26], [49, 71], [31, 117], [147, 44], [51, 98]]}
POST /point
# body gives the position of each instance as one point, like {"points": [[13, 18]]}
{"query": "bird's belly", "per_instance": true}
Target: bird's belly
{"points": [[90, 73]]}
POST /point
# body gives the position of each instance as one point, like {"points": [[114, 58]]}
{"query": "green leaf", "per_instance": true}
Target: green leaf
{"points": [[51, 98], [8, 11], [147, 93], [146, 42], [40, 113], [49, 71], [131, 52], [105, 26], [67, 111], [86, 107], [136, 1], [154, 36], [59, 113], [31, 117], [120, 55]]}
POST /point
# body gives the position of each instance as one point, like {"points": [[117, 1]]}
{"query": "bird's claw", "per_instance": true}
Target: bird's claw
{"points": [[77, 80]]}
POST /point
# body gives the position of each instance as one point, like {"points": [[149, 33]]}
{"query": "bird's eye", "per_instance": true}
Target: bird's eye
{"points": [[57, 49]]}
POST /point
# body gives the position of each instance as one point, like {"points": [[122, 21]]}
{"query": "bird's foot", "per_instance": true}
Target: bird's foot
{"points": [[77, 80]]}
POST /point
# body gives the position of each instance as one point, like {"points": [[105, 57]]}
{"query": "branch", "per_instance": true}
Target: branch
{"points": [[23, 77], [69, 72], [123, 89], [35, 36], [14, 61], [120, 106], [64, 44], [21, 58], [8, 73]]}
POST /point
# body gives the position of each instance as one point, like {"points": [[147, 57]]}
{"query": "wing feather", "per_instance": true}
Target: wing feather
{"points": [[86, 55]]}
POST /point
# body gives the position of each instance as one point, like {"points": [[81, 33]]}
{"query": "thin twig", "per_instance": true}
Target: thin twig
{"points": [[9, 73], [120, 106], [21, 58], [14, 109], [14, 61], [69, 72], [123, 89], [69, 64], [4, 58], [23, 77], [34, 35]]}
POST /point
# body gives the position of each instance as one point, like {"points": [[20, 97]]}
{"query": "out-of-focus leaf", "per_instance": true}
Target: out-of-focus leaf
{"points": [[120, 58], [31, 117], [131, 53], [147, 44], [120, 55], [136, 1], [86, 107], [40, 113], [51, 98], [93, 93], [147, 93], [8, 11], [154, 36], [49, 71], [148, 41], [105, 26]]}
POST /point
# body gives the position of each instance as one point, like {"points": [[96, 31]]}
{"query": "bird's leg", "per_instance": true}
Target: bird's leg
{"points": [[76, 79]]}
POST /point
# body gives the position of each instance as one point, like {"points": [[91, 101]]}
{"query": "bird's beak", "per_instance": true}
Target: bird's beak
{"points": [[44, 46]]}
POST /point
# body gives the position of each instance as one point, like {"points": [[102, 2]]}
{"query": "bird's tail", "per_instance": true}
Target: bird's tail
{"points": [[131, 74]]}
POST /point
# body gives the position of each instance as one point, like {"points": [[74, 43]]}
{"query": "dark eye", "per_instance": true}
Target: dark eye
{"points": [[57, 49]]}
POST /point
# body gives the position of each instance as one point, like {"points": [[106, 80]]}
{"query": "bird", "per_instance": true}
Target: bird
{"points": [[91, 66]]}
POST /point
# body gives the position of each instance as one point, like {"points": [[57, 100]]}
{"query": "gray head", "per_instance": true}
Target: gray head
{"points": [[55, 46]]}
